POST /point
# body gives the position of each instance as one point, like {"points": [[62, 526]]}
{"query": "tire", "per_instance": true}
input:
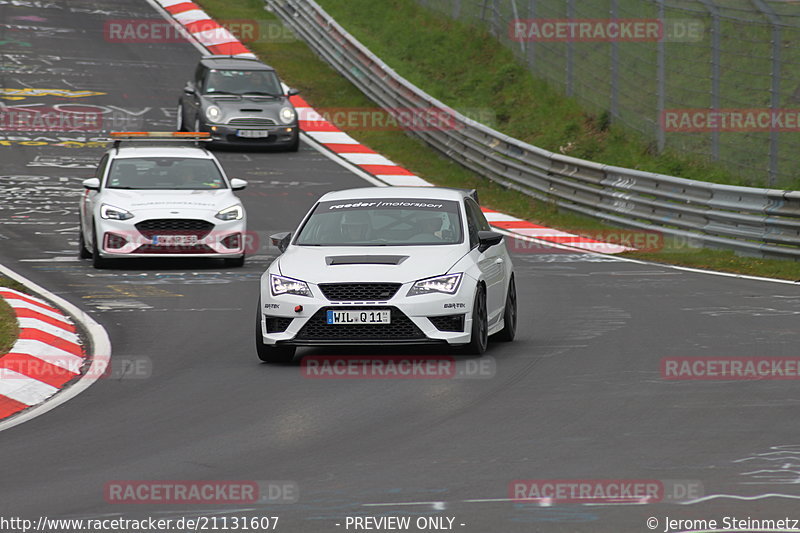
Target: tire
{"points": [[269, 353], [97, 261], [179, 120], [294, 145], [83, 253], [479, 337], [234, 262], [509, 330]]}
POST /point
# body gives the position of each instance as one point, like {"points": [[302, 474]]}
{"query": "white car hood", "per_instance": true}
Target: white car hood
{"points": [[210, 201], [332, 264]]}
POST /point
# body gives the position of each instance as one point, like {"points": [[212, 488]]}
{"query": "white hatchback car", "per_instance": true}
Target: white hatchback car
{"points": [[388, 265], [163, 196]]}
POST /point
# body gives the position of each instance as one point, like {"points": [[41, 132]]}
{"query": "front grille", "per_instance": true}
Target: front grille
{"points": [[252, 122], [359, 292], [401, 328], [174, 226], [277, 324], [448, 322], [183, 249]]}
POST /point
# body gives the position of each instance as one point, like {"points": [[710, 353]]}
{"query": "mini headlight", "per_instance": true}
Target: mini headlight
{"points": [[447, 284], [213, 113], [281, 285], [110, 212], [234, 212], [288, 115]]}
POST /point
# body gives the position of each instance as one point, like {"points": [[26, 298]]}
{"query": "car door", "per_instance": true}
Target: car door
{"points": [[89, 199], [491, 262]]}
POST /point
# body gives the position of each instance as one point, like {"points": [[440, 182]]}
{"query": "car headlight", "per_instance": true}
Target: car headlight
{"points": [[281, 285], [213, 113], [234, 212], [447, 284], [114, 213], [288, 115]]}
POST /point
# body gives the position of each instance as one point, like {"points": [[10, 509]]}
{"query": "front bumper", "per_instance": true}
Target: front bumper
{"points": [[223, 239], [277, 135], [422, 319]]}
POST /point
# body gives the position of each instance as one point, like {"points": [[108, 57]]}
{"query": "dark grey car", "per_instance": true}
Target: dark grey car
{"points": [[239, 101]]}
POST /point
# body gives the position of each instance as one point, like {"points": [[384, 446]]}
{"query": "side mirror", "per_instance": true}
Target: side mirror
{"points": [[190, 88], [93, 184], [237, 184], [281, 240], [292, 92], [488, 239]]}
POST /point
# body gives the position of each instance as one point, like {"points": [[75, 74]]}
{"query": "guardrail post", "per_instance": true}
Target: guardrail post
{"points": [[570, 48], [661, 82], [715, 71], [531, 44], [775, 87], [456, 9], [613, 107]]}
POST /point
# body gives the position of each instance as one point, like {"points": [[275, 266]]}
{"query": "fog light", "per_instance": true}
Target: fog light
{"points": [[114, 241], [232, 241]]}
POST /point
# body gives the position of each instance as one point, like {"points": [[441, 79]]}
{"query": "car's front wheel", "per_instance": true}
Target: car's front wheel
{"points": [[97, 260], [234, 262], [479, 337], [509, 330], [83, 252], [269, 353], [295, 144]]}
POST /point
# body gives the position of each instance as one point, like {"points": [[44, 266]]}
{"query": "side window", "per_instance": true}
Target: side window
{"points": [[475, 220], [472, 224], [101, 168]]}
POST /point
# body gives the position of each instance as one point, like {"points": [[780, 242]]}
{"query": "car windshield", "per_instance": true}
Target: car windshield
{"points": [[260, 82], [382, 222], [164, 173]]}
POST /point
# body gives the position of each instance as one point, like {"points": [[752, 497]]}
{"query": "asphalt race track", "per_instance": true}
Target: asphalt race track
{"points": [[579, 395]]}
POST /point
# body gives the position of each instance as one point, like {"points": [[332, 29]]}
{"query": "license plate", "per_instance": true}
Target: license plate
{"points": [[253, 134], [359, 317], [175, 240]]}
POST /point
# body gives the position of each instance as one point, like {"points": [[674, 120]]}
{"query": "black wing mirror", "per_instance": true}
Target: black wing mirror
{"points": [[488, 239], [281, 240]]}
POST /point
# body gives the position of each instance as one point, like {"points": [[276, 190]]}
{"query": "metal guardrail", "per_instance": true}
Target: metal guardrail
{"points": [[752, 221]]}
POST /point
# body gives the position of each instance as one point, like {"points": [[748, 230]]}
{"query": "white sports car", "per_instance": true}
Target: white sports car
{"points": [[387, 265], [156, 199]]}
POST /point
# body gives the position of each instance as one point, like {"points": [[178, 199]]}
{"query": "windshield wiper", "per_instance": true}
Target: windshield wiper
{"points": [[259, 93]]}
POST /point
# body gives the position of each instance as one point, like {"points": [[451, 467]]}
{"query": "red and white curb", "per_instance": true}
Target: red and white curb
{"points": [[47, 355], [48, 364], [217, 40]]}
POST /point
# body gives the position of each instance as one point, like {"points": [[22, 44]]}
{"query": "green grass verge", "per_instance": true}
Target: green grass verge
{"points": [[470, 65], [8, 321]]}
